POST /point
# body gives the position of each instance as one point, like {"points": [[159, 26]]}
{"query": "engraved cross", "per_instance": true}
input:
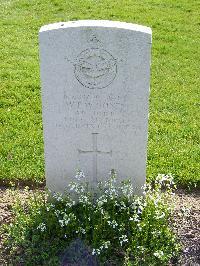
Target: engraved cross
{"points": [[95, 153]]}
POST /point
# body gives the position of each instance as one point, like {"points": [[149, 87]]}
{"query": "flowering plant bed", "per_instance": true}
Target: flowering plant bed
{"points": [[112, 226]]}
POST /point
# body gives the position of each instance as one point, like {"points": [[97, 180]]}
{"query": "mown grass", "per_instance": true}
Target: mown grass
{"points": [[174, 103]]}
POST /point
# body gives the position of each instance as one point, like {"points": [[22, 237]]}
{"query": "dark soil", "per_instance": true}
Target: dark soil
{"points": [[186, 223]]}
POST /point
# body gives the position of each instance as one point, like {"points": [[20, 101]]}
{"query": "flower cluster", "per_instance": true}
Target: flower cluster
{"points": [[79, 175], [98, 251], [123, 239], [66, 219], [113, 224], [41, 227]]}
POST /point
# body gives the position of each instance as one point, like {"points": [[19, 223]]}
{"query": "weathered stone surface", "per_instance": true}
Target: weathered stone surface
{"points": [[95, 88]]}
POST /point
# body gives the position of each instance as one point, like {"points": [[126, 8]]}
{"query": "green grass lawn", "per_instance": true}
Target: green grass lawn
{"points": [[174, 127]]}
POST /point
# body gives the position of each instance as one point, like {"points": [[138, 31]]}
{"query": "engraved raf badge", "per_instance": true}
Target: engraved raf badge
{"points": [[95, 68]]}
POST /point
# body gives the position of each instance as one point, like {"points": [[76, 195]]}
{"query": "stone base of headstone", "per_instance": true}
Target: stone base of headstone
{"points": [[78, 254]]}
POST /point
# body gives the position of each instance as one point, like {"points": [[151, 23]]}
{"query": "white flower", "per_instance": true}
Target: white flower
{"points": [[113, 175], [76, 187], [84, 199], [111, 192], [141, 248], [161, 216], [106, 244], [73, 186], [81, 230], [69, 217], [146, 188], [102, 211], [122, 205], [96, 251], [156, 233], [58, 197], [66, 219], [127, 190], [61, 222], [123, 239], [101, 200], [139, 227], [136, 218], [69, 204], [158, 254], [113, 223], [41, 227], [166, 180], [80, 175], [57, 212]]}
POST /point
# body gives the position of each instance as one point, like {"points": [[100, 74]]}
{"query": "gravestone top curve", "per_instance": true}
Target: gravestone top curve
{"points": [[97, 23]]}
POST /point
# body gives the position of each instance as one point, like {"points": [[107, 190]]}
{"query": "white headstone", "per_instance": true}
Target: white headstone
{"points": [[95, 88]]}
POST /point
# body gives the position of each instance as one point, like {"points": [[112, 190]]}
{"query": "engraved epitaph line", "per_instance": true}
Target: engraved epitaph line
{"points": [[95, 153]]}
